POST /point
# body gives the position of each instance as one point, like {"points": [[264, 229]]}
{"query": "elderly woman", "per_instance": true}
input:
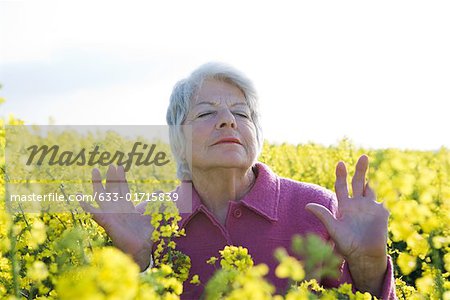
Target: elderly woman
{"points": [[239, 201]]}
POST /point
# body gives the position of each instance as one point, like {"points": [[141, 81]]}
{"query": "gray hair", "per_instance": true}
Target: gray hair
{"points": [[180, 104]]}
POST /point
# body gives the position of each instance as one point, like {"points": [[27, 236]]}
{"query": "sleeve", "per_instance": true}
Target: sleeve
{"points": [[150, 265], [387, 290]]}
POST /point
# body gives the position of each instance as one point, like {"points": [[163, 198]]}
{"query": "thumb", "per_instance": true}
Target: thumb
{"points": [[324, 215]]}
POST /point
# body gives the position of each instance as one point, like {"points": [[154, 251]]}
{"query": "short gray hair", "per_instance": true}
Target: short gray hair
{"points": [[180, 102]]}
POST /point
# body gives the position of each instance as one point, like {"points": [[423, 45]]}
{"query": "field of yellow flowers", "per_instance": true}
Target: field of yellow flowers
{"points": [[67, 256]]}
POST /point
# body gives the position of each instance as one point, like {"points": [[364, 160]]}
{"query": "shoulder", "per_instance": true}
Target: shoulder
{"points": [[292, 192], [306, 192], [293, 196]]}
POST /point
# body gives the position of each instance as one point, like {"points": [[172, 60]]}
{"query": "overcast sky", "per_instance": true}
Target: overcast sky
{"points": [[377, 72]]}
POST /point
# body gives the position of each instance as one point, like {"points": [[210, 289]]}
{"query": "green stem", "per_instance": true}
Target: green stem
{"points": [[23, 215], [14, 265], [12, 238]]}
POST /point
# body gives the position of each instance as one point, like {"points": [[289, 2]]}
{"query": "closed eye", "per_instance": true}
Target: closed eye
{"points": [[204, 114], [242, 114]]}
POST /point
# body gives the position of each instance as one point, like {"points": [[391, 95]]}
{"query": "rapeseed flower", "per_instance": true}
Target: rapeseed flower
{"points": [[290, 267], [235, 257], [406, 262], [38, 271]]}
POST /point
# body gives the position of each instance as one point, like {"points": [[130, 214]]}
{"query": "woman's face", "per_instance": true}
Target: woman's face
{"points": [[223, 134]]}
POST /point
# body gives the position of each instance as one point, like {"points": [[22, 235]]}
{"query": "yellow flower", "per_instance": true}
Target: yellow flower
{"points": [[5, 223], [250, 284], [418, 245], [5, 267], [346, 289], [166, 269], [290, 268], [400, 230], [172, 284], [156, 220], [425, 284], [37, 234], [446, 295], [147, 292], [195, 280], [155, 235], [235, 258], [38, 271], [363, 296], [447, 261], [406, 262], [111, 275], [313, 285], [171, 245], [300, 294], [430, 224], [440, 241], [212, 260], [404, 289]]}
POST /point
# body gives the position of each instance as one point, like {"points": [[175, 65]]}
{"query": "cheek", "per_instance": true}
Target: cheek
{"points": [[250, 130], [200, 133], [250, 137]]}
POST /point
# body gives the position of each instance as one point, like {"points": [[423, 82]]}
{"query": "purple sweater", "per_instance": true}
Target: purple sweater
{"points": [[266, 218]]}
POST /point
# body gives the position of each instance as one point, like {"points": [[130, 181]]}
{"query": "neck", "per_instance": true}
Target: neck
{"points": [[216, 187]]}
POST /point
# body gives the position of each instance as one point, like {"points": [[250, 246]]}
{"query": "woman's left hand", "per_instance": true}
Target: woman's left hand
{"points": [[359, 229]]}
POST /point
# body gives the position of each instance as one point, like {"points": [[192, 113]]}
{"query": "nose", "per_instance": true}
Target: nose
{"points": [[226, 120]]}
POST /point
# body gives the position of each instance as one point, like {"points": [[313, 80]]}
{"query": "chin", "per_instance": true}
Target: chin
{"points": [[226, 163], [233, 162]]}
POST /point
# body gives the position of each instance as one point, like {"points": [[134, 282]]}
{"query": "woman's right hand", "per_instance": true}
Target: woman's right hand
{"points": [[125, 224]]}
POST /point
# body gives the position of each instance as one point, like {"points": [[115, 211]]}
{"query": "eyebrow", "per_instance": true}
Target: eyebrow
{"points": [[215, 103]]}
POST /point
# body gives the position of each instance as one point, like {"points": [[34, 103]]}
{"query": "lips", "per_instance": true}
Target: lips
{"points": [[228, 140]]}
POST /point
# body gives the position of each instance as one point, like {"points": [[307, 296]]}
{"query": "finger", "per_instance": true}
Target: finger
{"points": [[89, 208], [97, 186], [124, 204], [359, 179], [142, 207], [97, 181], [96, 213], [123, 183], [112, 180], [324, 215], [340, 186], [369, 193]]}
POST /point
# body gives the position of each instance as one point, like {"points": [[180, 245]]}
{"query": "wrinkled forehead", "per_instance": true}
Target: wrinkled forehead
{"points": [[216, 92]]}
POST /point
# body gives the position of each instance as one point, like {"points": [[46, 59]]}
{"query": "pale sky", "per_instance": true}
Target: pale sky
{"points": [[377, 72]]}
